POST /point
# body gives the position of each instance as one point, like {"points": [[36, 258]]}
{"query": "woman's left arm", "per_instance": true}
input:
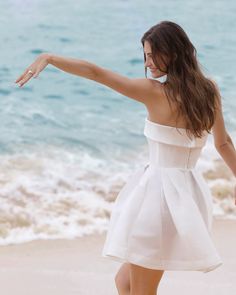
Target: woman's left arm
{"points": [[140, 89]]}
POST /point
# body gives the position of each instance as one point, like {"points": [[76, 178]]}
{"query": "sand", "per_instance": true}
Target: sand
{"points": [[56, 267]]}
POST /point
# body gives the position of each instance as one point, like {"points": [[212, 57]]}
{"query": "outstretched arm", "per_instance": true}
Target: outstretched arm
{"points": [[140, 89]]}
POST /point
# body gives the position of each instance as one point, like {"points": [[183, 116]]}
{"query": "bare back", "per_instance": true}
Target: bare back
{"points": [[159, 109]]}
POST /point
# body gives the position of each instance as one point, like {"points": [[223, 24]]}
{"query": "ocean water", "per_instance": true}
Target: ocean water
{"points": [[68, 144]]}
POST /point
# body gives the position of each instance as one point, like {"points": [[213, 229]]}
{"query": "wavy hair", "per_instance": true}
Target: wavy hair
{"points": [[196, 95]]}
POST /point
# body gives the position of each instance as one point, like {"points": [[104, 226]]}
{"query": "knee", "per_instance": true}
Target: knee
{"points": [[122, 283]]}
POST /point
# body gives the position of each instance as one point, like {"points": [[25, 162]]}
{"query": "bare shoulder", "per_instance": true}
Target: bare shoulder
{"points": [[156, 87], [139, 89], [152, 90]]}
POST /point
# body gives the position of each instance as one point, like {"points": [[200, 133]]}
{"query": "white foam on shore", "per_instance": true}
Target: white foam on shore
{"points": [[52, 193]]}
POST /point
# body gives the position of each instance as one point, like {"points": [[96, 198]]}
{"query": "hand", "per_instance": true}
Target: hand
{"points": [[34, 69]]}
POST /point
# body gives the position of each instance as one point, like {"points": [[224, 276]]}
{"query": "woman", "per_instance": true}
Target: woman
{"points": [[162, 217]]}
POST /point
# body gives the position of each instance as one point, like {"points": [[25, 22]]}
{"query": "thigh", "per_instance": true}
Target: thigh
{"points": [[144, 280]]}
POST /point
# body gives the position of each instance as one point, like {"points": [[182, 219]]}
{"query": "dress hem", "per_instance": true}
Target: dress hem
{"points": [[197, 265]]}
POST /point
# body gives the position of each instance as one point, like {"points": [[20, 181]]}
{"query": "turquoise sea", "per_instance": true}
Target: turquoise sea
{"points": [[68, 144]]}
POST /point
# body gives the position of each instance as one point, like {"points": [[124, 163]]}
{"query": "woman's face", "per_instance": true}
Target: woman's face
{"points": [[155, 72]]}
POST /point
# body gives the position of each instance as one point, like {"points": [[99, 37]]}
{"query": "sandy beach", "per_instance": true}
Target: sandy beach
{"points": [[76, 267]]}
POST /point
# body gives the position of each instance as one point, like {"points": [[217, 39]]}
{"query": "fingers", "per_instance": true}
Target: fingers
{"points": [[24, 78], [35, 75], [33, 70], [18, 79], [27, 75]]}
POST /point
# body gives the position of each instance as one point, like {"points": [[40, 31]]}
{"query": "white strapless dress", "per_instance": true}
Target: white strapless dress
{"points": [[162, 217]]}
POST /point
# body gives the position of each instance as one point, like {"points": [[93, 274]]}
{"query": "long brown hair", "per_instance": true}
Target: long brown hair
{"points": [[196, 96]]}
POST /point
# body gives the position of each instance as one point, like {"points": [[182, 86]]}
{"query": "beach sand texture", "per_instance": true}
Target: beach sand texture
{"points": [[69, 267]]}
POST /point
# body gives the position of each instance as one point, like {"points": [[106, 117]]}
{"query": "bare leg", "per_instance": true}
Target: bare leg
{"points": [[122, 279], [144, 281]]}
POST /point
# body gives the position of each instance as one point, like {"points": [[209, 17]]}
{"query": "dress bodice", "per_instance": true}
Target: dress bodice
{"points": [[171, 147]]}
